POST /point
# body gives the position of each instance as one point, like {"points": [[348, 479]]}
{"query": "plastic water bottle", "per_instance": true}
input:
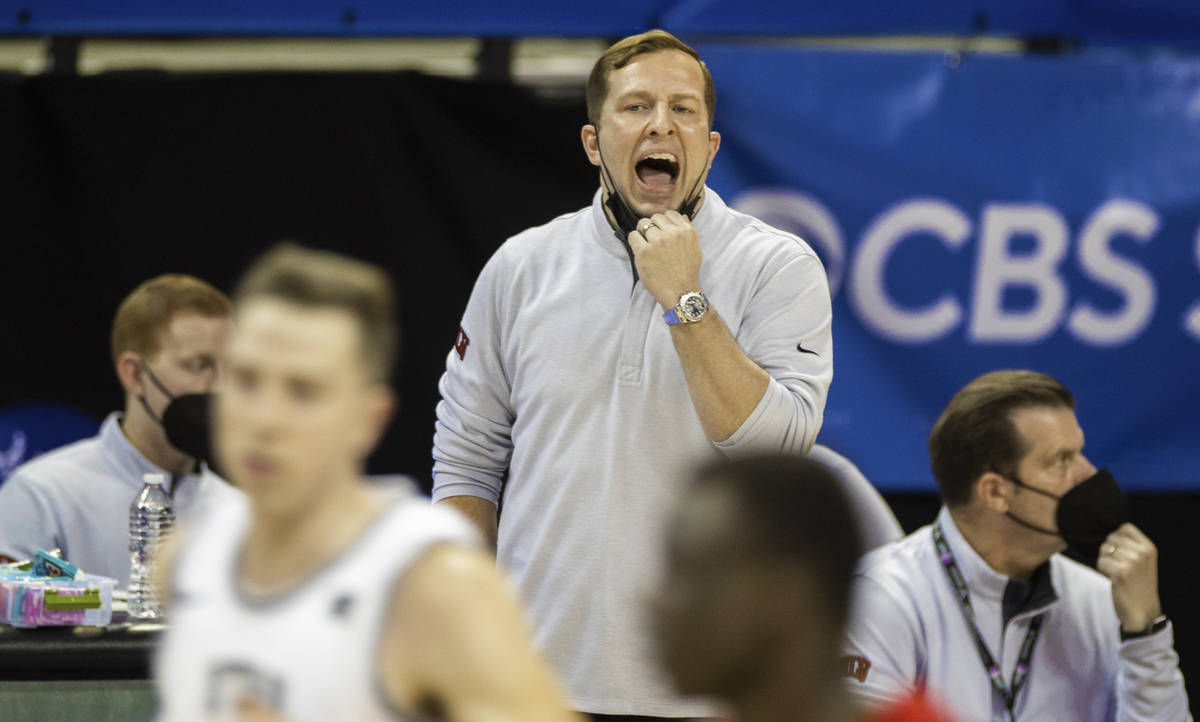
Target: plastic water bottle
{"points": [[151, 517]]}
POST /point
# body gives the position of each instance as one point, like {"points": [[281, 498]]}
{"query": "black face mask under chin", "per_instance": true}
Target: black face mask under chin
{"points": [[623, 214], [1086, 514], [185, 421]]}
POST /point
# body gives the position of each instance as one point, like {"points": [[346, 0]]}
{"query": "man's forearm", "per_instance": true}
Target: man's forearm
{"points": [[1151, 685], [480, 512], [725, 385]]}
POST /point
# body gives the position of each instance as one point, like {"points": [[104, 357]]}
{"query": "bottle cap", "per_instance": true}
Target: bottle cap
{"points": [[154, 478]]}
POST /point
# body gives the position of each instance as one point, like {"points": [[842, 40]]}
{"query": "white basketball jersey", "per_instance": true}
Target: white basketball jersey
{"points": [[311, 654]]}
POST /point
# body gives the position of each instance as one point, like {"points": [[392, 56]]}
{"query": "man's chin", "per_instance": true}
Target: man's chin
{"points": [[277, 503], [646, 209]]}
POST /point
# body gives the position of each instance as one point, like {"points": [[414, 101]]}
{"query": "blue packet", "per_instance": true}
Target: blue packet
{"points": [[46, 564]]}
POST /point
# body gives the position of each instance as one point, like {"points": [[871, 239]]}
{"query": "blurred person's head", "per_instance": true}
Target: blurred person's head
{"points": [[753, 603], [168, 337], [650, 102], [307, 392]]}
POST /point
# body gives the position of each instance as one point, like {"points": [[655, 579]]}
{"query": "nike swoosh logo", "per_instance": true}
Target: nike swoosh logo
{"points": [[801, 349]]}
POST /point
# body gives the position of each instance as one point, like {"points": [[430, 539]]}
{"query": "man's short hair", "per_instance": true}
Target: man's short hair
{"points": [[623, 52], [976, 434], [146, 312], [322, 279], [795, 511]]}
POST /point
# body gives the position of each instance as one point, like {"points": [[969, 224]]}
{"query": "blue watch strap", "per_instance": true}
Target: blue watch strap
{"points": [[670, 317]]}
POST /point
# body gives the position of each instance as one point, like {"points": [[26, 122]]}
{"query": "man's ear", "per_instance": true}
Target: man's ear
{"points": [[714, 144], [381, 405], [130, 374], [591, 143], [994, 491]]}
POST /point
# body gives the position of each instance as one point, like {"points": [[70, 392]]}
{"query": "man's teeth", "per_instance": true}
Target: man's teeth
{"points": [[662, 156]]}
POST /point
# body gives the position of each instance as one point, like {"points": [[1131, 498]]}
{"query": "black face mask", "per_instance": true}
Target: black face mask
{"points": [[624, 214], [1086, 514], [185, 421]]}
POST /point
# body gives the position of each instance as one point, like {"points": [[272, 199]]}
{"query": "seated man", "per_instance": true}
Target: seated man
{"points": [[167, 337], [318, 596], [981, 607], [753, 604]]}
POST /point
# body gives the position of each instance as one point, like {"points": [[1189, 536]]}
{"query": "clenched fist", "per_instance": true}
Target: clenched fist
{"points": [[1130, 560], [666, 251]]}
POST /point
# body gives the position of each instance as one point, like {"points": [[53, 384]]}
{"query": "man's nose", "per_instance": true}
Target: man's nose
{"points": [[207, 381], [1086, 468], [218, 376], [264, 414], [660, 120]]}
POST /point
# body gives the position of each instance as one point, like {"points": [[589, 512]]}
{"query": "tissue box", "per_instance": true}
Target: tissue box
{"points": [[30, 601]]}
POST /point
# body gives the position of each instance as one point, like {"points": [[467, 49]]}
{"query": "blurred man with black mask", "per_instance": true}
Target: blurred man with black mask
{"points": [[981, 608], [167, 338]]}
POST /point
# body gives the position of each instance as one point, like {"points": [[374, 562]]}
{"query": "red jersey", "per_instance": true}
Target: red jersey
{"points": [[916, 708]]}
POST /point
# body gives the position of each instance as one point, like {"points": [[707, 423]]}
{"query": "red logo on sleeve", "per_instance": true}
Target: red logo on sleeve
{"points": [[461, 342], [856, 667]]}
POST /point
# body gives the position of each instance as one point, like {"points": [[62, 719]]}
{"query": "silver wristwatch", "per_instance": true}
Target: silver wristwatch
{"points": [[691, 308]]}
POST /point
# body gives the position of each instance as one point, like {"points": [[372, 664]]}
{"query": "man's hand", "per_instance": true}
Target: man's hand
{"points": [[1130, 560], [666, 251], [251, 710]]}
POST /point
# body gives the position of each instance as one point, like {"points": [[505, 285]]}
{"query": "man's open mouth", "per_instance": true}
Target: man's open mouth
{"points": [[658, 170]]}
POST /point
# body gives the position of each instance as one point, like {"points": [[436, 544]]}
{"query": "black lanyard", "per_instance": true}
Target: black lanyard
{"points": [[1021, 672]]}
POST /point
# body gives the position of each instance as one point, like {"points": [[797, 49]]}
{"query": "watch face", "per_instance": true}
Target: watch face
{"points": [[694, 306]]}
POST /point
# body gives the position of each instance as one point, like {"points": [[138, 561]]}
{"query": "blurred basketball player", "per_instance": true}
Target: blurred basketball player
{"points": [[318, 597]]}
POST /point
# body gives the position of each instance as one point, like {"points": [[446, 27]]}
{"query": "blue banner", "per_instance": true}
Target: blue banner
{"points": [[460, 18], [1087, 22], [983, 213], [30, 429]]}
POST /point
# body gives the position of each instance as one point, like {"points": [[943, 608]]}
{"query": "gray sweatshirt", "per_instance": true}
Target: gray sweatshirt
{"points": [[564, 376]]}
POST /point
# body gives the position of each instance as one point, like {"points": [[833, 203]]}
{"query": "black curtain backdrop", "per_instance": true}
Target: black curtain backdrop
{"points": [[111, 180], [106, 181]]}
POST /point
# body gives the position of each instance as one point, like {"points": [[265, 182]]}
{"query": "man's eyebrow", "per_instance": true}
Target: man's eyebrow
{"points": [[1062, 453], [645, 93], [635, 93]]}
